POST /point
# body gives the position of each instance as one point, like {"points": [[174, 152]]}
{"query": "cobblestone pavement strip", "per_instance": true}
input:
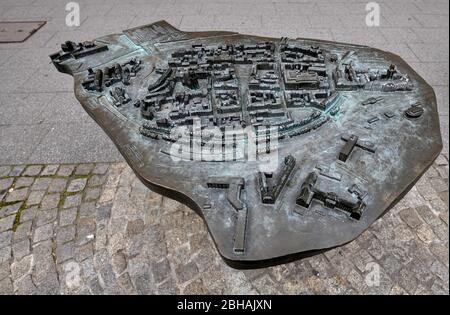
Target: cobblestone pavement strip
{"points": [[96, 229]]}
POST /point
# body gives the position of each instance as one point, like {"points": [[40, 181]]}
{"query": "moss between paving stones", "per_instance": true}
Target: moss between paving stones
{"points": [[4, 203], [63, 195], [24, 205], [18, 215]]}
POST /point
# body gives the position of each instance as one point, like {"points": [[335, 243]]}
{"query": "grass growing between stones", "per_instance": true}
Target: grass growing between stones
{"points": [[18, 215]]}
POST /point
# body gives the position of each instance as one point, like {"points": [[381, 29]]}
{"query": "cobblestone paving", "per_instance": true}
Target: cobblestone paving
{"points": [[96, 229]]}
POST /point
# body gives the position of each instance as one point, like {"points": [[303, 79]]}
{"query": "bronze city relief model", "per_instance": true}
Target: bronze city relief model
{"points": [[285, 147]]}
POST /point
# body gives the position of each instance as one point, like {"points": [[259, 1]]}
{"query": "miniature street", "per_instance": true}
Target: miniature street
{"points": [[74, 219]]}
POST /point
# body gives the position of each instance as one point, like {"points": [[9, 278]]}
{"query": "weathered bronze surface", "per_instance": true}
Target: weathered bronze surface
{"points": [[284, 147]]}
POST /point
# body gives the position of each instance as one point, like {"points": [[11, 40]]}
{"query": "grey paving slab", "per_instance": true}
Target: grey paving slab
{"points": [[292, 20], [319, 33], [430, 52], [63, 107], [73, 142], [238, 22], [432, 34], [339, 8], [433, 7], [97, 9], [435, 73], [5, 55], [432, 20], [124, 9], [400, 19], [369, 36], [7, 3], [197, 21], [442, 99], [19, 141], [16, 78], [286, 7], [333, 21], [401, 6], [399, 35], [108, 24], [58, 2], [445, 132], [27, 12], [23, 109], [46, 79], [223, 8], [26, 60], [168, 8]]}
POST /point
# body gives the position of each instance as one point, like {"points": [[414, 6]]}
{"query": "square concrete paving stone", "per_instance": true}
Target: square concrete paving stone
{"points": [[63, 107], [23, 182], [16, 32], [75, 142], [19, 141], [22, 109], [76, 185]]}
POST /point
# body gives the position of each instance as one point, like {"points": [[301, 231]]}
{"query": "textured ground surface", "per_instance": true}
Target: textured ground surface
{"points": [[93, 228]]}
